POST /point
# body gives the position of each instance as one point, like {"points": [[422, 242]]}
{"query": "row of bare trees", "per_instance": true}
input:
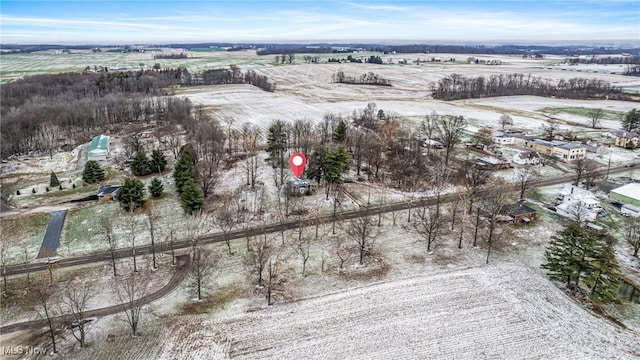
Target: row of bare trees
{"points": [[457, 86]]}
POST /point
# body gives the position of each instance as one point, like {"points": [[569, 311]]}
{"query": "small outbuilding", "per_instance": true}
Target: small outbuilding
{"points": [[99, 148], [107, 192]]}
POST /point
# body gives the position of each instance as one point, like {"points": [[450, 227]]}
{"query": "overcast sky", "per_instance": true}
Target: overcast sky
{"points": [[136, 22]]}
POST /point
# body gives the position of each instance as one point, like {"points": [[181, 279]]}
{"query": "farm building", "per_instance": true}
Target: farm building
{"points": [[627, 194], [99, 148], [107, 192]]}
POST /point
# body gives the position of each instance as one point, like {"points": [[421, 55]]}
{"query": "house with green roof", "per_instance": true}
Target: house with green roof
{"points": [[99, 148]]}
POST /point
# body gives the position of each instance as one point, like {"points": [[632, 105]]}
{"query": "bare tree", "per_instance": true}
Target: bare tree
{"points": [[550, 128], [132, 238], [151, 222], [76, 299], [48, 135], [449, 129], [258, 254], [595, 115], [46, 310], [426, 224], [524, 178], [201, 267], [107, 232], [130, 292], [493, 203], [174, 142], [3, 263], [224, 217], [171, 235], [343, 251], [632, 229], [273, 267], [363, 231], [303, 247], [587, 170], [505, 120], [474, 179], [206, 176]]}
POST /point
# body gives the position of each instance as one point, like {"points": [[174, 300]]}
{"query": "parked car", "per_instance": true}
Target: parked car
{"points": [[632, 164], [617, 204], [53, 260]]}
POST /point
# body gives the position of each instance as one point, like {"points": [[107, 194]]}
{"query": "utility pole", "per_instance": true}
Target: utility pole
{"points": [[608, 165]]}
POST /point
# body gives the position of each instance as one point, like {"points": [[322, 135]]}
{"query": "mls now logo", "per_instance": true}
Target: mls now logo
{"points": [[23, 350]]}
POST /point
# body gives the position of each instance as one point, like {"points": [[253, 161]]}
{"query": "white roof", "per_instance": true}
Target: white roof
{"points": [[631, 190]]}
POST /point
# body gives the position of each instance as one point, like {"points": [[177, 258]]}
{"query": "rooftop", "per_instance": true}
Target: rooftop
{"points": [[631, 190], [570, 146], [518, 209], [100, 142]]}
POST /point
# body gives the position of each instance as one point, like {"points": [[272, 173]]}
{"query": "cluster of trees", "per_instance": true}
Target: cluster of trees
{"points": [[170, 56], [578, 257], [191, 197], [39, 113], [364, 79], [308, 59], [631, 120], [456, 86], [374, 59], [141, 165], [285, 58]]}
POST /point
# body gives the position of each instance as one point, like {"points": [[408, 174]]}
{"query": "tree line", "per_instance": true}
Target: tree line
{"points": [[39, 113], [457, 86], [364, 79], [170, 56]]}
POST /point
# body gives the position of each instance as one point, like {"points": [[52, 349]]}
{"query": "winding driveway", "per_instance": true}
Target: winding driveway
{"points": [[183, 267]]}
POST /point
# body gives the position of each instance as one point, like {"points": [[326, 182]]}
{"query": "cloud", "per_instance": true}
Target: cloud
{"points": [[378, 7]]}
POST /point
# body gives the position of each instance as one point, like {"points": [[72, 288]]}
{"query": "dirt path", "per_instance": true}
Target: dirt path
{"points": [[176, 279]]}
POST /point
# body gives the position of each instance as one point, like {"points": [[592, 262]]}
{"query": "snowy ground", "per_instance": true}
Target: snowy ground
{"points": [[502, 311]]}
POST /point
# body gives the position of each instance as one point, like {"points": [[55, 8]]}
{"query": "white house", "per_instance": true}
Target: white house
{"points": [[500, 138], [527, 158], [575, 210], [573, 193]]}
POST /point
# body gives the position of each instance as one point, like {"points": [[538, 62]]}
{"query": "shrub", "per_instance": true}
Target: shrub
{"points": [[33, 191], [18, 192]]}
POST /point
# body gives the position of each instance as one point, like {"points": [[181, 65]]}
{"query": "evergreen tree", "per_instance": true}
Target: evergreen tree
{"points": [[92, 173], [184, 170], [315, 165], [140, 164], [340, 133], [158, 161], [53, 182], [335, 163], [567, 254], [131, 194], [631, 121], [277, 142], [156, 188], [191, 197], [604, 276]]}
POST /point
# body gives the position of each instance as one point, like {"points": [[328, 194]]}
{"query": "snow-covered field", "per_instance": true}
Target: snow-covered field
{"points": [[501, 311]]}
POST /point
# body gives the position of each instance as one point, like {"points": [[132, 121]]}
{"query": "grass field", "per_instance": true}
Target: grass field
{"points": [[20, 233], [585, 112]]}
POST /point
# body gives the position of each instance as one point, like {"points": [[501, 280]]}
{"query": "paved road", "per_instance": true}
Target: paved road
{"points": [[176, 279], [52, 235], [268, 229]]}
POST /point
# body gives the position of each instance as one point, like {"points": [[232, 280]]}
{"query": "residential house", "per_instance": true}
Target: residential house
{"points": [[527, 158], [570, 152], [575, 210], [501, 138], [519, 213], [626, 138], [577, 202], [299, 187], [107, 192], [492, 163]]}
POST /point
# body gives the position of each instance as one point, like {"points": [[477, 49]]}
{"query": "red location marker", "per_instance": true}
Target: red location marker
{"points": [[297, 162]]}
